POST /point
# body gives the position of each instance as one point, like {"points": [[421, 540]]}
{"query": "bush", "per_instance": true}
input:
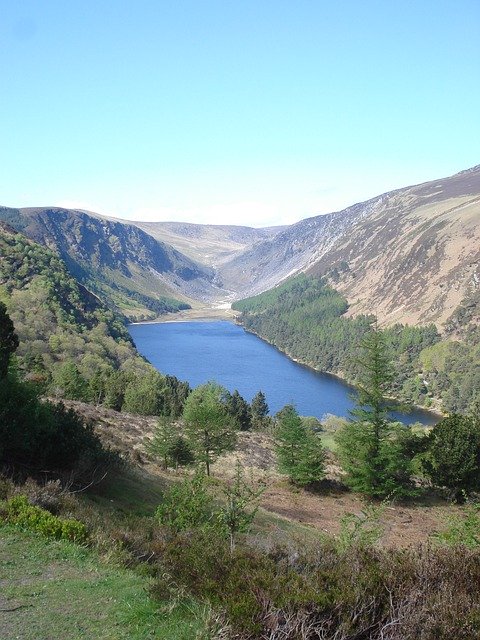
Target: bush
{"points": [[187, 505], [453, 456], [427, 593], [361, 531], [18, 511], [42, 435], [242, 583]]}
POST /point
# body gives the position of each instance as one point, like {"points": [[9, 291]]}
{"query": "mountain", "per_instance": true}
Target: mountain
{"points": [[208, 244], [416, 257], [409, 255], [128, 268], [291, 250]]}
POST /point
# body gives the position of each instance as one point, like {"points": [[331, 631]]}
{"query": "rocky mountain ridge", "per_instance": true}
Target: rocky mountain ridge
{"points": [[208, 244]]}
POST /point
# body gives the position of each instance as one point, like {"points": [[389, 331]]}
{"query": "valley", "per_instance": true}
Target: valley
{"points": [[180, 503], [240, 321], [410, 257]]}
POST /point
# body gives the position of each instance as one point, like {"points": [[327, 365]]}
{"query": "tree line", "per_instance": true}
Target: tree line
{"points": [[305, 318]]}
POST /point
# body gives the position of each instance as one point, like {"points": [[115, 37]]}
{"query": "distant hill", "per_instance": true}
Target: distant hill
{"points": [[208, 244]]}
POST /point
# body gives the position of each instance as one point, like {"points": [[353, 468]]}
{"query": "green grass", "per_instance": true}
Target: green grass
{"points": [[130, 490], [328, 440], [63, 591]]}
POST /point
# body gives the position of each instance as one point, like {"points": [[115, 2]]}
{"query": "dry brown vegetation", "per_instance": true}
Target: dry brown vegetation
{"points": [[403, 524]]}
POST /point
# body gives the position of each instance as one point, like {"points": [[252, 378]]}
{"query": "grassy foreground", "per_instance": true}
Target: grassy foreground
{"points": [[57, 589]]}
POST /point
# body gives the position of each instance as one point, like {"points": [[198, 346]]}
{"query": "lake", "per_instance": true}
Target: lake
{"points": [[225, 352]]}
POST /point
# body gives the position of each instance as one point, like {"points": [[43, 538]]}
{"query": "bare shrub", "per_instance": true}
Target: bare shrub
{"points": [[50, 495]]}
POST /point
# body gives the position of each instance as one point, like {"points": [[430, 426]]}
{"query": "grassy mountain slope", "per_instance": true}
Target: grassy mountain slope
{"points": [[130, 270], [417, 257], [410, 255]]}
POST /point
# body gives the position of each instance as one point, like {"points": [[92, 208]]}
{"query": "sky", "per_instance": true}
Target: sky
{"points": [[257, 112]]}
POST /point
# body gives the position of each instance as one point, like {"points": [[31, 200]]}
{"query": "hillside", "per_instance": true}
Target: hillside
{"points": [[410, 255], [129, 269], [57, 319], [416, 257], [290, 251], [311, 321]]}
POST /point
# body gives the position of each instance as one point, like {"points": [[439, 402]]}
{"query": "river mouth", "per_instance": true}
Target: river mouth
{"points": [[199, 350]]}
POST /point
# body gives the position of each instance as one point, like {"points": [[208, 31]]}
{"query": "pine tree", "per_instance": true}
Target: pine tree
{"points": [[311, 467], [300, 453], [239, 409], [241, 505], [259, 409], [208, 427], [370, 447], [166, 432], [70, 382], [180, 453], [453, 453]]}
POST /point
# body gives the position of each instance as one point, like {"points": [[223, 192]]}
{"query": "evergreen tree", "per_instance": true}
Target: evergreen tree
{"points": [[241, 505], [180, 453], [311, 467], [70, 382], [168, 445], [144, 395], [115, 387], [370, 448], [8, 340], [175, 393], [208, 427], [97, 385], [453, 454], [259, 410], [289, 437], [300, 453], [239, 409], [187, 505], [163, 440]]}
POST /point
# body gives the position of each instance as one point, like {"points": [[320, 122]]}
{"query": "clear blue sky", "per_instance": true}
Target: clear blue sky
{"points": [[255, 111]]}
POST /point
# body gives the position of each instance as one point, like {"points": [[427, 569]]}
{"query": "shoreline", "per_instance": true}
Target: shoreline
{"points": [[417, 407], [211, 314], [200, 314]]}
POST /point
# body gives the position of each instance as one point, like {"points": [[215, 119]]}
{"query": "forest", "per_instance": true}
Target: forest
{"points": [[305, 318]]}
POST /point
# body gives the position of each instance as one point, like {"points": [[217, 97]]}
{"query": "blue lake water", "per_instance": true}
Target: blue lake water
{"points": [[224, 352]]}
